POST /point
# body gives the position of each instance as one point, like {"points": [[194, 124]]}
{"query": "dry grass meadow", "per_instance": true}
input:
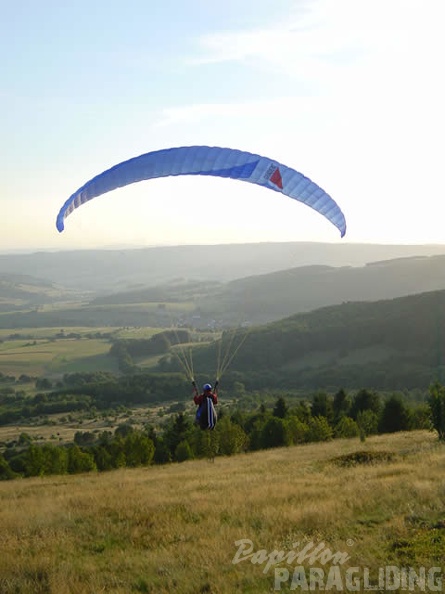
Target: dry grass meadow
{"points": [[173, 528]]}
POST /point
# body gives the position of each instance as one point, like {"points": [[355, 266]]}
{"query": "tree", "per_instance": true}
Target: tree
{"points": [[179, 430], [116, 449], [55, 459], [420, 417], [5, 471], [25, 439], [232, 438], [162, 453], [43, 384], [341, 405], [297, 430], [274, 433], [319, 429], [436, 402], [367, 422], [322, 406], [205, 443], [84, 438], [139, 449], [254, 429], [346, 427], [280, 409], [79, 461], [124, 429], [183, 451], [303, 412], [394, 417], [102, 458], [365, 400], [34, 461]]}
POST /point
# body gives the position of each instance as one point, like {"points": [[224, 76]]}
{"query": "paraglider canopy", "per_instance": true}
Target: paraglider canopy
{"points": [[211, 161]]}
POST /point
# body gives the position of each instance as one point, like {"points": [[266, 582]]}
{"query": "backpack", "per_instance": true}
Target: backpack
{"points": [[206, 416]]}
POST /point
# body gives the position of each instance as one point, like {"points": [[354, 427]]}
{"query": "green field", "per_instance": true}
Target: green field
{"points": [[92, 315], [118, 332], [43, 352], [38, 357]]}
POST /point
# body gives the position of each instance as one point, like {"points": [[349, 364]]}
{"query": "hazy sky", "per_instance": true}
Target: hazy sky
{"points": [[349, 92]]}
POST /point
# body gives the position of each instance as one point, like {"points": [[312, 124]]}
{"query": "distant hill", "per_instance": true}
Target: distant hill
{"points": [[106, 271], [259, 299], [20, 292], [265, 298]]}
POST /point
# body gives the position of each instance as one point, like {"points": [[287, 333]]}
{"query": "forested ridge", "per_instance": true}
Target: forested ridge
{"points": [[389, 344]]}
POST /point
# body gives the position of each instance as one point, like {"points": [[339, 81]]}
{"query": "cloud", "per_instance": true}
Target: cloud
{"points": [[340, 44], [291, 51], [254, 110], [314, 36]]}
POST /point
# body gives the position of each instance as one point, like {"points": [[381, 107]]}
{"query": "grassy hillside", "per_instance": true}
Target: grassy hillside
{"points": [[174, 528]]}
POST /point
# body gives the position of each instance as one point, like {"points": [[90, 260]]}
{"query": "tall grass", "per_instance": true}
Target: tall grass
{"points": [[173, 528]]}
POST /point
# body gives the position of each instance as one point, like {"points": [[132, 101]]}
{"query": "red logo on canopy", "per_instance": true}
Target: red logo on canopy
{"points": [[276, 179]]}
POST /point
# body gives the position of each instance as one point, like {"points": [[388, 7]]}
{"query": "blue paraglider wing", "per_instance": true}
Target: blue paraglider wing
{"points": [[215, 161]]}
